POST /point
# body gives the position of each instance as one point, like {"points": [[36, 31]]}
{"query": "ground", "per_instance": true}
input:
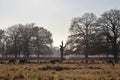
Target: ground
{"points": [[59, 72]]}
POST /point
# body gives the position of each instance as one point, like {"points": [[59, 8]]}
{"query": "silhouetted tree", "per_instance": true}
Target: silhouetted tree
{"points": [[28, 39], [13, 41], [81, 30], [110, 24], [2, 41], [42, 40], [27, 33]]}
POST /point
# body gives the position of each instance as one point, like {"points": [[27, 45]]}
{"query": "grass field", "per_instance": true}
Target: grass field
{"points": [[59, 72]]}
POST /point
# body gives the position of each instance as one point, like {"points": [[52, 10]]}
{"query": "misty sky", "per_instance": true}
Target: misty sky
{"points": [[54, 15]]}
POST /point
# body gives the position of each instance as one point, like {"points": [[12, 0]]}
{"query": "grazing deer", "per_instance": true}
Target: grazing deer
{"points": [[22, 61], [111, 62], [55, 61], [13, 61]]}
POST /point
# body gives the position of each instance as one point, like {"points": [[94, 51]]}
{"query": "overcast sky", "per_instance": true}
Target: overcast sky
{"points": [[54, 15]]}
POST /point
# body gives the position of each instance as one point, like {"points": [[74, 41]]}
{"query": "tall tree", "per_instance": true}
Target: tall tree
{"points": [[2, 41], [42, 40], [13, 39], [27, 33], [81, 29], [110, 24]]}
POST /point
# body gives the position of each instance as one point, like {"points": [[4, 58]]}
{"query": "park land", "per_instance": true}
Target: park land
{"points": [[59, 71]]}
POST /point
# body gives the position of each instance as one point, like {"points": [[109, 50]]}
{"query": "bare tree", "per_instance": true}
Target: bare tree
{"points": [[110, 24], [27, 33], [28, 39], [42, 40], [13, 39], [81, 30], [2, 41]]}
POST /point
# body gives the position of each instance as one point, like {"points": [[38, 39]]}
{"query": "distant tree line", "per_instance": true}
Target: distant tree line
{"points": [[89, 35], [95, 35], [25, 40]]}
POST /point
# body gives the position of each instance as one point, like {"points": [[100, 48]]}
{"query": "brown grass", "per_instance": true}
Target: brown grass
{"points": [[59, 72]]}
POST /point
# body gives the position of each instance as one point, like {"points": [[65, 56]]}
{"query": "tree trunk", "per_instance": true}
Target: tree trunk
{"points": [[27, 51], [38, 56], [87, 43], [115, 49], [115, 53]]}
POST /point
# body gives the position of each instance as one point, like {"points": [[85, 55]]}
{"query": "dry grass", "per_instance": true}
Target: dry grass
{"points": [[59, 72]]}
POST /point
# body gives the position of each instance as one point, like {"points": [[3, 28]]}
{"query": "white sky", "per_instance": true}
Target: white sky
{"points": [[54, 15]]}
